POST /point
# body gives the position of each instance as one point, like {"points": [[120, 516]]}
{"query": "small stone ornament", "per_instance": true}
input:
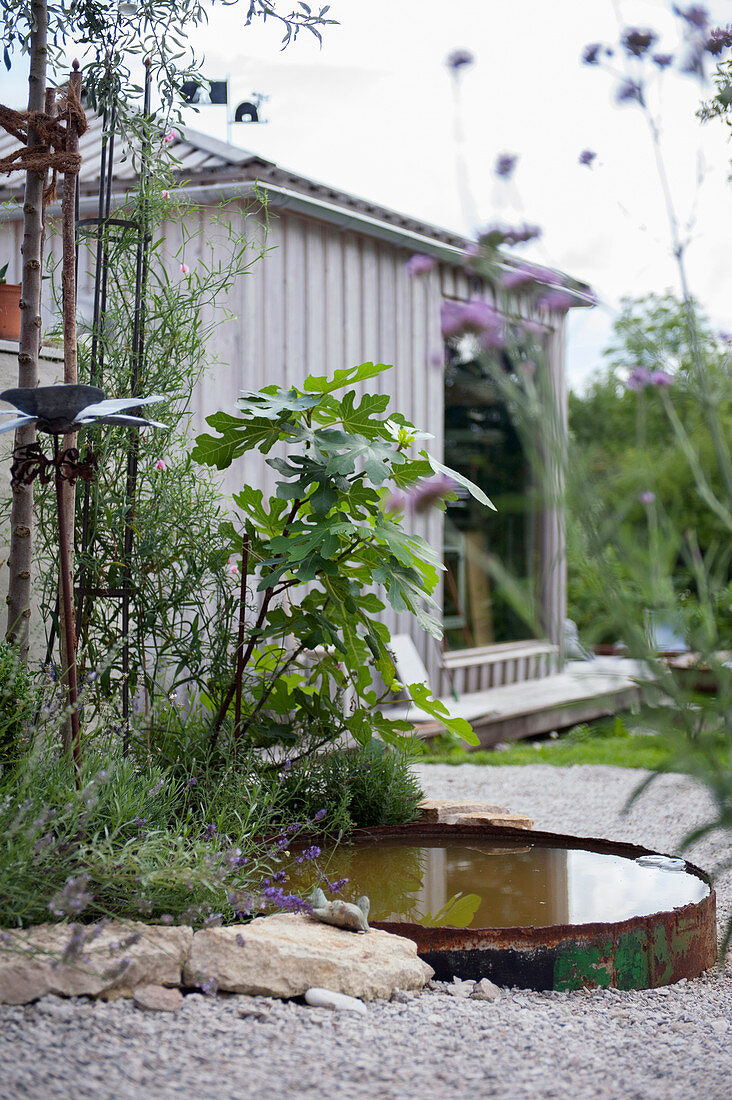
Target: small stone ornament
{"points": [[343, 914], [66, 407]]}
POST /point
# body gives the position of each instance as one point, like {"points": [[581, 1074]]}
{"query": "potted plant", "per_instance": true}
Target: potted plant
{"points": [[9, 307]]}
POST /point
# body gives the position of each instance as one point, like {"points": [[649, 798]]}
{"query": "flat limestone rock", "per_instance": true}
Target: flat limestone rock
{"points": [[452, 812], [27, 959], [286, 954], [513, 821], [157, 998], [434, 810]]}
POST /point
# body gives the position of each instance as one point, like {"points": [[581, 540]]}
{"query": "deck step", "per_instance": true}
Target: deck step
{"points": [[584, 691]]}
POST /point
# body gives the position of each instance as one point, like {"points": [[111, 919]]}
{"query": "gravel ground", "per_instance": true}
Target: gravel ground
{"points": [[664, 1043]]}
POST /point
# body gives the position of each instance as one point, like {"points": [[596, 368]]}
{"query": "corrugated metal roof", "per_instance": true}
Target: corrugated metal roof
{"points": [[206, 162]]}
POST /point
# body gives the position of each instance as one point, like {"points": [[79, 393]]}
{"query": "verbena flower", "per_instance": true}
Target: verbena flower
{"points": [[458, 318], [556, 299], [719, 39], [420, 264], [458, 59], [629, 90], [638, 378], [696, 15], [506, 165], [636, 42]]}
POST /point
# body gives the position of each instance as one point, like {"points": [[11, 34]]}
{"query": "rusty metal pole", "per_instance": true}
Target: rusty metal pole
{"points": [[65, 489]]}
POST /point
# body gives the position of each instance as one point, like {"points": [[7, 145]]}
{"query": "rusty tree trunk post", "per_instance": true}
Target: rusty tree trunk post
{"points": [[66, 489], [21, 517]]}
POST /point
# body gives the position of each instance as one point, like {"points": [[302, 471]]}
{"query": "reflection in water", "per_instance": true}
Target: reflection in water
{"points": [[486, 886]]}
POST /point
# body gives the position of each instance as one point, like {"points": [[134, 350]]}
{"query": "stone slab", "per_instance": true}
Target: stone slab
{"points": [[286, 954], [112, 964]]}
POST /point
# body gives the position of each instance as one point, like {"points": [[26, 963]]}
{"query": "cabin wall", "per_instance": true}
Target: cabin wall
{"points": [[320, 298]]}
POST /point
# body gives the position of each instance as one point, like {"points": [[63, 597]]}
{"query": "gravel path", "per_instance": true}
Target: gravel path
{"points": [[649, 1045]]}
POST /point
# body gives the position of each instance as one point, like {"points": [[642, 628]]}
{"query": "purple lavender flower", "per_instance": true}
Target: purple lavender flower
{"points": [[663, 60], [636, 42], [629, 90], [591, 54], [158, 787], [291, 903], [312, 852], [192, 782], [337, 885], [661, 379], [647, 497], [587, 157], [320, 815], [505, 165], [420, 264], [139, 821], [209, 987], [239, 940], [73, 898], [557, 299], [458, 59]]}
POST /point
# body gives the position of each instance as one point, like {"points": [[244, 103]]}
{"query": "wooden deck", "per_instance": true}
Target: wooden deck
{"points": [[584, 690]]}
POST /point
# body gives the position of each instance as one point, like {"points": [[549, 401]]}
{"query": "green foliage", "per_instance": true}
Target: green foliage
{"points": [[316, 548], [628, 446], [371, 785], [19, 699], [610, 742]]}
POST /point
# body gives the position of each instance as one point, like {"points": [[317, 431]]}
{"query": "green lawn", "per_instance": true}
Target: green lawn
{"points": [[617, 741]]}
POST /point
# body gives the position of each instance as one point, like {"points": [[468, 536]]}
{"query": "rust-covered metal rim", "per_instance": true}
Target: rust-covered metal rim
{"points": [[637, 953]]}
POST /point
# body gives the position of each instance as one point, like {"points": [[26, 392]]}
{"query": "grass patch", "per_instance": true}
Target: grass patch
{"points": [[622, 742]]}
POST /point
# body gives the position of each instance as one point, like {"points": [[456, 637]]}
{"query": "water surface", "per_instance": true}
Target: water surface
{"points": [[485, 885]]}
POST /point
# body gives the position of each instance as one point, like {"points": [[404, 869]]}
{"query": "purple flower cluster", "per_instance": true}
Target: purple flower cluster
{"points": [[591, 53], [637, 42], [458, 59], [495, 235], [696, 15], [480, 318], [420, 497], [73, 898], [719, 39], [521, 275], [420, 264], [506, 165], [290, 903], [640, 377], [663, 60], [557, 299], [647, 496], [629, 90], [586, 157]]}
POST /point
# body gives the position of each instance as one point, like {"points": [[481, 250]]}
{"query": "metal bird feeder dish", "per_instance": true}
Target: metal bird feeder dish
{"points": [[531, 909]]}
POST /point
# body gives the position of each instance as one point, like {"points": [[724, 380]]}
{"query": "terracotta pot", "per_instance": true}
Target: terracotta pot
{"points": [[10, 311]]}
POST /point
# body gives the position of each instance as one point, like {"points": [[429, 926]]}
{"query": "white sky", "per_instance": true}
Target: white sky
{"points": [[372, 113]]}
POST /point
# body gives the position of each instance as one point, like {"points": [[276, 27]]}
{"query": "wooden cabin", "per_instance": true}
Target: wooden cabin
{"points": [[332, 290]]}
